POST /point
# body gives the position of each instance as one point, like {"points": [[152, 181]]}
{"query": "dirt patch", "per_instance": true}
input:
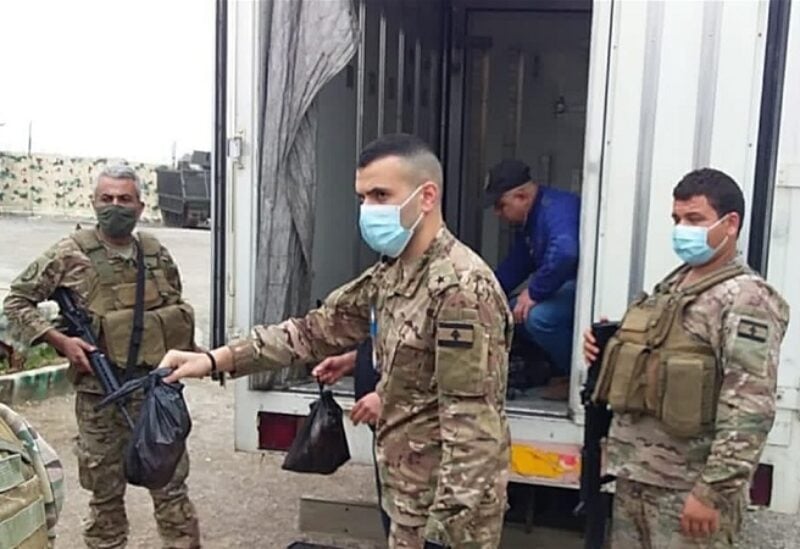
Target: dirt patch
{"points": [[243, 500]]}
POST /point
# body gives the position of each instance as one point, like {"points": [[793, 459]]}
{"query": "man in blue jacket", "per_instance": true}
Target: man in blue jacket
{"points": [[545, 252]]}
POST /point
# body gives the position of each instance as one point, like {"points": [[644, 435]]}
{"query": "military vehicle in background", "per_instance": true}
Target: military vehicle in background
{"points": [[184, 192]]}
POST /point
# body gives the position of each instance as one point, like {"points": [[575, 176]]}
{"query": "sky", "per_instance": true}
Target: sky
{"points": [[108, 78]]}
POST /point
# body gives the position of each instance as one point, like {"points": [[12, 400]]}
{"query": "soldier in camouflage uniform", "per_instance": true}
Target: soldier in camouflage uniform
{"points": [[443, 333], [691, 376], [100, 265]]}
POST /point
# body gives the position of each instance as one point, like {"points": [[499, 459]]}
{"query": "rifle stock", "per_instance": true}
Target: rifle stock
{"points": [[80, 325], [597, 421]]}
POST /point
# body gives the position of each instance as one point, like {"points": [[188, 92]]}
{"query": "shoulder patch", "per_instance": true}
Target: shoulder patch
{"points": [[456, 334], [31, 272], [750, 348], [752, 329]]}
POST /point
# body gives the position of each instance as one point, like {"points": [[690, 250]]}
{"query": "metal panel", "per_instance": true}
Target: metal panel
{"points": [[707, 88], [417, 85], [513, 124], [455, 77], [478, 67], [382, 71], [361, 74], [736, 109], [765, 173], [785, 227], [434, 90], [243, 215], [644, 161], [625, 80], [672, 134], [401, 70], [593, 191], [371, 103]]}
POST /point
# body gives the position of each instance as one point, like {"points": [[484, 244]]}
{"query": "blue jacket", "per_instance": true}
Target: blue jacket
{"points": [[546, 246]]}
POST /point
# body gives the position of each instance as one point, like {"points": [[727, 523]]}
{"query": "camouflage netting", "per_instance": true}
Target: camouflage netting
{"points": [[62, 186]]}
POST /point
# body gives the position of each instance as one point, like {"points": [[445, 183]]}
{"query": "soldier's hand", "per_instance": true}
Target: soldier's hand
{"points": [[333, 368], [367, 410], [76, 350], [590, 348], [697, 519], [185, 364]]}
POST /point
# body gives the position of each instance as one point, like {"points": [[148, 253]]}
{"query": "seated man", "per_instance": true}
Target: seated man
{"points": [[544, 251]]}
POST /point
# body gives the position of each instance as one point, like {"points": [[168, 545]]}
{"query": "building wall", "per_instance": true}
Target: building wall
{"points": [[54, 185]]}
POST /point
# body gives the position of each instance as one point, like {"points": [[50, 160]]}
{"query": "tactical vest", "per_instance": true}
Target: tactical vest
{"points": [[23, 522], [167, 324], [654, 366]]}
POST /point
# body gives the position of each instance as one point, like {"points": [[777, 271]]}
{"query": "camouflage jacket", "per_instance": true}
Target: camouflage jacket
{"points": [[44, 461], [716, 467], [443, 339], [64, 264]]}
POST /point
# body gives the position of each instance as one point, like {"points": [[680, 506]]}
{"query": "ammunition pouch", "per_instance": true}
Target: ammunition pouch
{"points": [[654, 366]]}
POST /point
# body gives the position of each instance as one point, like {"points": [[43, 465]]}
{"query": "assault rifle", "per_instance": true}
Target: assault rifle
{"points": [[594, 504], [80, 325]]}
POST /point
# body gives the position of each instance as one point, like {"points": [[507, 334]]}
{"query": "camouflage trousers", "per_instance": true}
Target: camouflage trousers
{"points": [[102, 437], [483, 531], [486, 536], [648, 517]]}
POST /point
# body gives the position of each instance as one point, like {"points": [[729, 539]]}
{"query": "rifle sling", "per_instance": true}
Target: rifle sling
{"points": [[138, 314]]}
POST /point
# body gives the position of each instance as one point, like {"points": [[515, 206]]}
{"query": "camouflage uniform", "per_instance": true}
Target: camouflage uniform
{"points": [[443, 339], [32, 478], [656, 469], [102, 435]]}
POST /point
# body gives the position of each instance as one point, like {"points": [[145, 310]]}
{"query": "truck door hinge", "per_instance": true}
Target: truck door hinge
{"points": [[235, 145]]}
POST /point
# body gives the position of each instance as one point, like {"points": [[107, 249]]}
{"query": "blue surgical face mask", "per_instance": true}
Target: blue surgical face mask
{"points": [[691, 243], [382, 228]]}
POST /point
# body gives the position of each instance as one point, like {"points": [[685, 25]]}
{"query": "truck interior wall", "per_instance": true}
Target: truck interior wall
{"points": [[550, 52], [401, 86], [336, 213]]}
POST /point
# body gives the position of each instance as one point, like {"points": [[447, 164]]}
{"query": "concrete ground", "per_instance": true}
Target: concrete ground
{"points": [[22, 239], [243, 500]]}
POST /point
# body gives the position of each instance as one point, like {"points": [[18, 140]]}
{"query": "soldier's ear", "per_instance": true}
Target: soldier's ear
{"points": [[733, 224], [430, 195]]}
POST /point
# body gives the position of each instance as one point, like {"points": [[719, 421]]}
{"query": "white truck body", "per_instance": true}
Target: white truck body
{"points": [[670, 86]]}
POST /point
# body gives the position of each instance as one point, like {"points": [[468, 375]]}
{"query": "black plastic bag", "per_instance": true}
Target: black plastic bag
{"points": [[159, 436], [321, 445]]}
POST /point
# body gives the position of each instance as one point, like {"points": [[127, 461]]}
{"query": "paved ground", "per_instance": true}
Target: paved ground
{"points": [[244, 500], [22, 239]]}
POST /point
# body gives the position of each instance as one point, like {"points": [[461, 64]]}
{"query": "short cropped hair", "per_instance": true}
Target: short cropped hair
{"points": [[722, 192], [120, 171], [416, 152]]}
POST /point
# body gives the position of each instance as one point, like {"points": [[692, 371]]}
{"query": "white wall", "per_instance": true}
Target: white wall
{"points": [[657, 128]]}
